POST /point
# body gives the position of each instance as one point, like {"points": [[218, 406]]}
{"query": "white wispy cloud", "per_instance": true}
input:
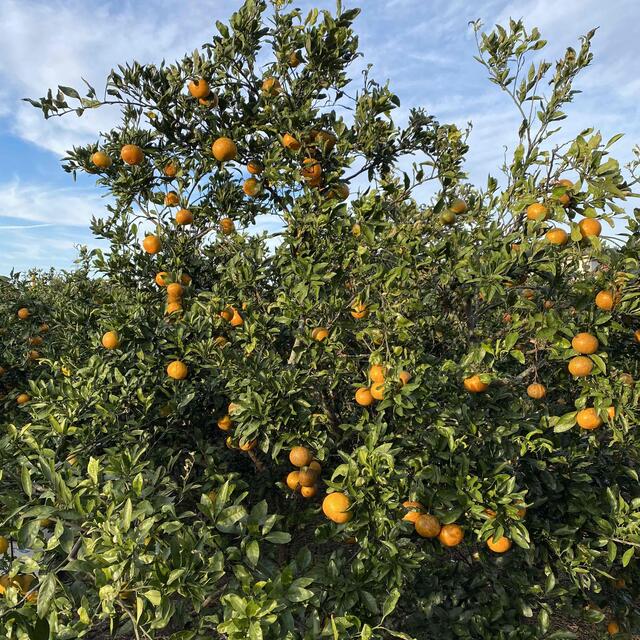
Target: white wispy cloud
{"points": [[44, 204]]}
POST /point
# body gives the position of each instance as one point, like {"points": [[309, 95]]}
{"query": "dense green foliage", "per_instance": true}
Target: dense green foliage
{"points": [[142, 519]]}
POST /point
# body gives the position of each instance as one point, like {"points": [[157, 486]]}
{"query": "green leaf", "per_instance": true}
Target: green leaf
{"points": [[390, 603], [93, 468], [46, 591], [278, 537], [626, 557], [298, 594], [253, 552], [25, 479], [126, 515], [153, 596]]}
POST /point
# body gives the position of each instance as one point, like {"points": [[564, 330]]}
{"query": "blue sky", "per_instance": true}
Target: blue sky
{"points": [[424, 47]]}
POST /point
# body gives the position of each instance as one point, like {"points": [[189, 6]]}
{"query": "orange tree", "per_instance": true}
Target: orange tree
{"points": [[385, 418]]}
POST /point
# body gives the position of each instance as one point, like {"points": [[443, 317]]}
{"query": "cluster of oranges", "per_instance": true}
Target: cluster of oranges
{"points": [[428, 526], [450, 535], [21, 582], [305, 478], [33, 355], [225, 423], [365, 396], [539, 211]]}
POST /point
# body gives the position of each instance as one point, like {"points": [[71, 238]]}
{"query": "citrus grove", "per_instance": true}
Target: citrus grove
{"points": [[408, 412]]}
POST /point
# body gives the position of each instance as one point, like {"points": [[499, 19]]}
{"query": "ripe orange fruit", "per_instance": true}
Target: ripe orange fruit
{"points": [[325, 139], [226, 226], [339, 191], [225, 423], [199, 88], [451, 535], [185, 278], [636, 335], [588, 419], [224, 149], [23, 398], [590, 227], [33, 355], [23, 313], [364, 397], [604, 300], [427, 526], [110, 340], [557, 236], [458, 207], [585, 343], [319, 334], [620, 583], [36, 341], [161, 278], [404, 377], [289, 142], [101, 159], [4, 545], [536, 391], [300, 456], [294, 59], [184, 216], [255, 167], [173, 307], [580, 366], [376, 373], [613, 627], [359, 311], [335, 506], [170, 170], [131, 154], [307, 477], [377, 391], [251, 187], [308, 492], [474, 384], [565, 198], [271, 86], [227, 314], [171, 199], [43, 328], [292, 480], [314, 465], [236, 319], [26, 580], [211, 101], [537, 211], [415, 510], [501, 545], [174, 292], [312, 172], [447, 218], [151, 244], [177, 370], [248, 446]]}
